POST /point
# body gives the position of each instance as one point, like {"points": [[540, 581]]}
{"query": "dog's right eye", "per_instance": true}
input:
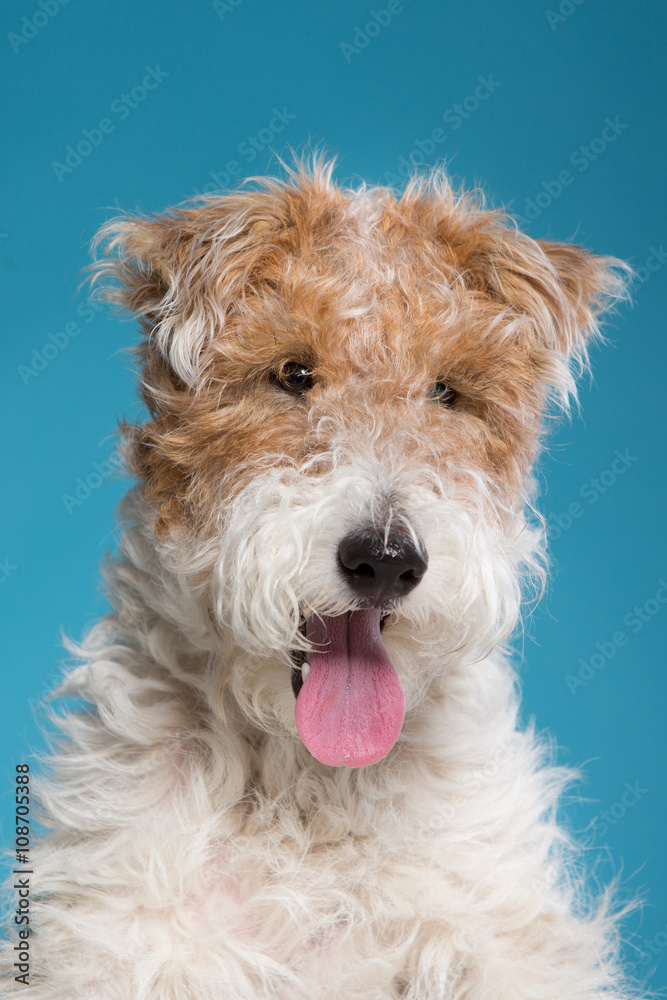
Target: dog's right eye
{"points": [[294, 377], [444, 394]]}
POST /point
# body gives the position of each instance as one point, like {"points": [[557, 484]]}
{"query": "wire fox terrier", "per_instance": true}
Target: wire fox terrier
{"points": [[299, 773]]}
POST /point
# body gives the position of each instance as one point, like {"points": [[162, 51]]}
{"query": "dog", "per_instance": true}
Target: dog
{"points": [[296, 770]]}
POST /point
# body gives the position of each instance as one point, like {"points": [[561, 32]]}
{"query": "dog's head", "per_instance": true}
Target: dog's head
{"points": [[347, 390]]}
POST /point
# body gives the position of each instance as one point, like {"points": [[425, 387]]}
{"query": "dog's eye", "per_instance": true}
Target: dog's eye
{"points": [[295, 377], [444, 394]]}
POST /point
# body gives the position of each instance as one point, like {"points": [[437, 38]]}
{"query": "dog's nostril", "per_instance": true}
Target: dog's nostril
{"points": [[363, 569], [380, 568]]}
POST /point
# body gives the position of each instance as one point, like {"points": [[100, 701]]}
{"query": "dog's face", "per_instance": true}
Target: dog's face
{"points": [[347, 391]]}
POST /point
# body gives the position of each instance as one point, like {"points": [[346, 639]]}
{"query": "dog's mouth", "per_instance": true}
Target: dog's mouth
{"points": [[300, 659], [350, 703]]}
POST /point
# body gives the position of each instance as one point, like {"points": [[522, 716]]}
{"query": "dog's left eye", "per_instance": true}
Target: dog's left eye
{"points": [[444, 394], [295, 377]]}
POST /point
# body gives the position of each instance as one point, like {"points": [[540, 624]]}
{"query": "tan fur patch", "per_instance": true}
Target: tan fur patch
{"points": [[381, 296]]}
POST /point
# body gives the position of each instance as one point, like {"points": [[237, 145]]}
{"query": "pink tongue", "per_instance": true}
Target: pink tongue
{"points": [[351, 707]]}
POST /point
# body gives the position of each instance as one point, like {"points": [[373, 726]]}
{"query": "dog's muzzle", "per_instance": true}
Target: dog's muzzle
{"points": [[350, 703]]}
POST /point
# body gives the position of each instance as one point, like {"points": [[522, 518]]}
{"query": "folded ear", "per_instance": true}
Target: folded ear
{"points": [[587, 286], [179, 272], [141, 265], [563, 290]]}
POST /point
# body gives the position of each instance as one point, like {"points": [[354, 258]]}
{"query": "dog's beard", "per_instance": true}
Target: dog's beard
{"points": [[277, 593]]}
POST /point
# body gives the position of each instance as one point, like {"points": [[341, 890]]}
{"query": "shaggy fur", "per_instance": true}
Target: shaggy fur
{"points": [[197, 851]]}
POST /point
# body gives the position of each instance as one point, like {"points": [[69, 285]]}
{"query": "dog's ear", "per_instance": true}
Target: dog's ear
{"points": [[551, 295], [179, 272], [580, 287], [587, 287], [137, 268], [562, 290]]}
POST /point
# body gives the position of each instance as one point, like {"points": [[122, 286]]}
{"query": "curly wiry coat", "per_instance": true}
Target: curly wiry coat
{"points": [[197, 851]]}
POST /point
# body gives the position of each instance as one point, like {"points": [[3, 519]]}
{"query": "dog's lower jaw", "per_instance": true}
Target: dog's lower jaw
{"points": [[297, 677]]}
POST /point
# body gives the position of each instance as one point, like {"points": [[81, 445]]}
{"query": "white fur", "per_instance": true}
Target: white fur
{"points": [[198, 851]]}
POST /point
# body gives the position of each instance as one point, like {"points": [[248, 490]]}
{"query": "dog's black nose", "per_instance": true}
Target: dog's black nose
{"points": [[380, 569]]}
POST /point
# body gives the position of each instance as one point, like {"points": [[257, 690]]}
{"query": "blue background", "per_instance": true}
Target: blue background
{"points": [[555, 79]]}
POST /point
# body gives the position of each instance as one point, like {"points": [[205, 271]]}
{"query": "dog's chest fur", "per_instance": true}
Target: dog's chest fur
{"points": [[317, 879]]}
